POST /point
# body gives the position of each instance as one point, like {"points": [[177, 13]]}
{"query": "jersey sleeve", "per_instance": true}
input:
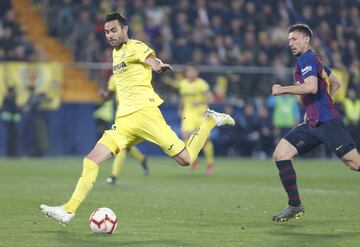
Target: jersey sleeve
{"points": [[181, 87], [143, 51], [327, 71], [308, 66], [111, 84]]}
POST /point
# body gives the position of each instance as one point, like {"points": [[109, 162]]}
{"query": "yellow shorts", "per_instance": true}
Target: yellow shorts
{"points": [[146, 124], [190, 123]]}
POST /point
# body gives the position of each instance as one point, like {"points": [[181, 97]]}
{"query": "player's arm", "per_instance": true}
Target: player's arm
{"points": [[171, 82], [156, 64], [181, 106], [310, 86]]}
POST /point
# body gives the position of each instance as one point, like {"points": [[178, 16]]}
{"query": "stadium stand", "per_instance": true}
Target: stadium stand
{"points": [[213, 33]]}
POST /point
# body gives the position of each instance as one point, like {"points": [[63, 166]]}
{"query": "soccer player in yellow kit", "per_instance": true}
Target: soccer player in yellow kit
{"points": [[194, 98], [133, 151], [138, 116]]}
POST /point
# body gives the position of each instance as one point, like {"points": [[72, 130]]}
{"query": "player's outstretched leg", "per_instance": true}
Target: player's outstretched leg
{"points": [[283, 154], [288, 179], [199, 136], [64, 213]]}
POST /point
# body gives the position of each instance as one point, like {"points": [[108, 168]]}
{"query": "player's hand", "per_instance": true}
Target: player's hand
{"points": [[277, 90], [164, 67]]}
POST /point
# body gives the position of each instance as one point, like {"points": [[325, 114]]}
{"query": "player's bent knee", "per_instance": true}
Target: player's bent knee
{"points": [[92, 158], [281, 155], [99, 154], [351, 158], [284, 151], [351, 164], [183, 161]]}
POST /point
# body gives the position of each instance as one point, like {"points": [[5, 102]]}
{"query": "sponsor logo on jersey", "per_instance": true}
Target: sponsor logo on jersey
{"points": [[306, 69], [121, 66]]}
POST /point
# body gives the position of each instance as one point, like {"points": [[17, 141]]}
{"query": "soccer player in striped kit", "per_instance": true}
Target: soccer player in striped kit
{"points": [[315, 84]]}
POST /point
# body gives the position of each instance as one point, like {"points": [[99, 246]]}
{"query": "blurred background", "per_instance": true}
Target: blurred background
{"points": [[54, 59]]}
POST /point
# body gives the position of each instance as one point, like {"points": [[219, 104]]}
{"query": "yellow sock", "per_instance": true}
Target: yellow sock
{"points": [[135, 152], [198, 138], [209, 152], [83, 187], [118, 163]]}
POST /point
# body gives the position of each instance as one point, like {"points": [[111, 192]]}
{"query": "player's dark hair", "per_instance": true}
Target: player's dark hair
{"points": [[302, 28], [116, 16]]}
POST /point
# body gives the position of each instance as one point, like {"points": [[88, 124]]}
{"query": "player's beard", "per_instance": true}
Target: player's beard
{"points": [[115, 44]]}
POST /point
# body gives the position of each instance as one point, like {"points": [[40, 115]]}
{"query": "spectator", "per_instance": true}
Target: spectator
{"points": [[36, 123], [11, 116], [352, 115], [285, 112]]}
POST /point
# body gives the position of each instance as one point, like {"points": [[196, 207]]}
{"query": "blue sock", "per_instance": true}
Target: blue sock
{"points": [[288, 179]]}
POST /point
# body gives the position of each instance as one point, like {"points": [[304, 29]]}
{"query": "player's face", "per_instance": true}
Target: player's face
{"points": [[298, 43], [191, 73], [115, 34]]}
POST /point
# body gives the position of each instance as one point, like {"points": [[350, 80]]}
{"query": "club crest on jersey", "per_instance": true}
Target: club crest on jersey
{"points": [[306, 69]]}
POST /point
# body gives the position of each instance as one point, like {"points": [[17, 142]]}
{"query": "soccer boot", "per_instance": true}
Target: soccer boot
{"points": [[145, 167], [289, 213], [57, 213], [111, 180], [220, 118]]}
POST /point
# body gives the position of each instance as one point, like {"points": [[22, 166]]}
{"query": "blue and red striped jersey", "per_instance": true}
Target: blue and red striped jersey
{"points": [[319, 107]]}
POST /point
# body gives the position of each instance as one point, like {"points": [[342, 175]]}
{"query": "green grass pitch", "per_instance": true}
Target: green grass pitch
{"points": [[174, 207]]}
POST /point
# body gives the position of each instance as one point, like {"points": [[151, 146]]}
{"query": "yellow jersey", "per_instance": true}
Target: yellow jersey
{"points": [[132, 78], [194, 96]]}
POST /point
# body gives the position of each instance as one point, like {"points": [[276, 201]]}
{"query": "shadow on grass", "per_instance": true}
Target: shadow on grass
{"points": [[66, 238], [315, 237]]}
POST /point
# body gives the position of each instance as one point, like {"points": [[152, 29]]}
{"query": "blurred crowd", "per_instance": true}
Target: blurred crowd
{"points": [[13, 43], [214, 33]]}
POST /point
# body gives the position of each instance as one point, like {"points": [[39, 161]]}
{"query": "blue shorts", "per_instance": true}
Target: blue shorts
{"points": [[332, 133]]}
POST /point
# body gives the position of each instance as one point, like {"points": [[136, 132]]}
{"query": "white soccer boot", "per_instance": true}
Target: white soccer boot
{"points": [[220, 118], [57, 213]]}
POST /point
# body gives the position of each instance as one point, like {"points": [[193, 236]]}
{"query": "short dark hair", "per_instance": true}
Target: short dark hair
{"points": [[116, 16], [302, 28]]}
